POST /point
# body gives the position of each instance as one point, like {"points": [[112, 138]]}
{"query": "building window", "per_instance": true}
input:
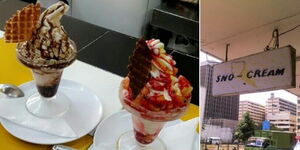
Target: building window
{"points": [[286, 129], [280, 124]]}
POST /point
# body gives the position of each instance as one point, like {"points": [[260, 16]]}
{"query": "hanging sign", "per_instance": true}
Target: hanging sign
{"points": [[270, 70], [266, 125]]}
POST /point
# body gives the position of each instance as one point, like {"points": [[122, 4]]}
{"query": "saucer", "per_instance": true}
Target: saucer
{"points": [[85, 112], [110, 129]]}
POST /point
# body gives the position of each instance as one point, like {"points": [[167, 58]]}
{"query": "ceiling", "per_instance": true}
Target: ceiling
{"points": [[247, 25]]}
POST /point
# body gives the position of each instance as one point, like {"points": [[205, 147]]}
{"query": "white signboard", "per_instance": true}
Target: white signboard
{"points": [[270, 70]]}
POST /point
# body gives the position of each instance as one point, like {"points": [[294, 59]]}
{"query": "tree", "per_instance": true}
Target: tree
{"points": [[245, 128], [258, 126]]}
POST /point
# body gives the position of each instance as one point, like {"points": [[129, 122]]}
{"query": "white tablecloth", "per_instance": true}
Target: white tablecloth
{"points": [[103, 83]]}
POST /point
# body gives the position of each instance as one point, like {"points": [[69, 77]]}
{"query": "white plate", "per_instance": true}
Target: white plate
{"points": [[86, 108], [1, 34], [110, 129]]}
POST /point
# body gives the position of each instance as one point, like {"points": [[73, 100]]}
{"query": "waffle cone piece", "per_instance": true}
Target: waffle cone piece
{"points": [[20, 26], [139, 67]]}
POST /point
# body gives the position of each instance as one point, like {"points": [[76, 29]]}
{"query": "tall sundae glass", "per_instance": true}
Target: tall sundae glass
{"points": [[47, 53], [153, 94]]}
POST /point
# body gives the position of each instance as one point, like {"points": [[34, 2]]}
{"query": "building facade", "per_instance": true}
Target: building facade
{"points": [[276, 105], [298, 118], [256, 111], [283, 120], [217, 107], [281, 113]]}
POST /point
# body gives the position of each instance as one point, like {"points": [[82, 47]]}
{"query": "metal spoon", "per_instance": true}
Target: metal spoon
{"points": [[11, 90], [62, 147]]}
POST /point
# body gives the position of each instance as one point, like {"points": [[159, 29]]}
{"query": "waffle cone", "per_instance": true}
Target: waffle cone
{"points": [[139, 67], [20, 26]]}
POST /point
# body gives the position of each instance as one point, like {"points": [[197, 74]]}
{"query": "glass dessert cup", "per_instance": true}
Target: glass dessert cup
{"points": [[48, 102], [146, 126]]}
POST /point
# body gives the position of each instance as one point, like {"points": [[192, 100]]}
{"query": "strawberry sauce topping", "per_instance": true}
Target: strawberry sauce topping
{"points": [[164, 91]]}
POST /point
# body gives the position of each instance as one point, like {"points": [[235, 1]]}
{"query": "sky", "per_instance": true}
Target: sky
{"points": [[260, 97]]}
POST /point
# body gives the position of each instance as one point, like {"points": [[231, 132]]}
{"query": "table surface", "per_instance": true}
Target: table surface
{"points": [[102, 82]]}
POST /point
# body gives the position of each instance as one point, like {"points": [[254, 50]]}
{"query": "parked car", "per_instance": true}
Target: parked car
{"points": [[214, 140]]}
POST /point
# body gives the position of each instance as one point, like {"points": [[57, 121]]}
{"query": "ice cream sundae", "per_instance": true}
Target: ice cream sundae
{"points": [[152, 92], [43, 44]]}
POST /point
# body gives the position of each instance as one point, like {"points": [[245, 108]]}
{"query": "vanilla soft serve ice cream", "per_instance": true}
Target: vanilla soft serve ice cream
{"points": [[50, 45]]}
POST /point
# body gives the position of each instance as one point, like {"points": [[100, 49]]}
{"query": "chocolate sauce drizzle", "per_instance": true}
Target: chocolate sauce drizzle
{"points": [[54, 50], [50, 50]]}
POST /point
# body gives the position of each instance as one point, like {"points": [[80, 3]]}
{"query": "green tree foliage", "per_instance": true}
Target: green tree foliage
{"points": [[245, 128]]}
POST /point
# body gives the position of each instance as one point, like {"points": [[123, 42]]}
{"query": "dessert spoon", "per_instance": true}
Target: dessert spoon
{"points": [[11, 90], [62, 147]]}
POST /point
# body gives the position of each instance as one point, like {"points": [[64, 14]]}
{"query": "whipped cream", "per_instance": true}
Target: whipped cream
{"points": [[163, 68], [50, 43]]}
